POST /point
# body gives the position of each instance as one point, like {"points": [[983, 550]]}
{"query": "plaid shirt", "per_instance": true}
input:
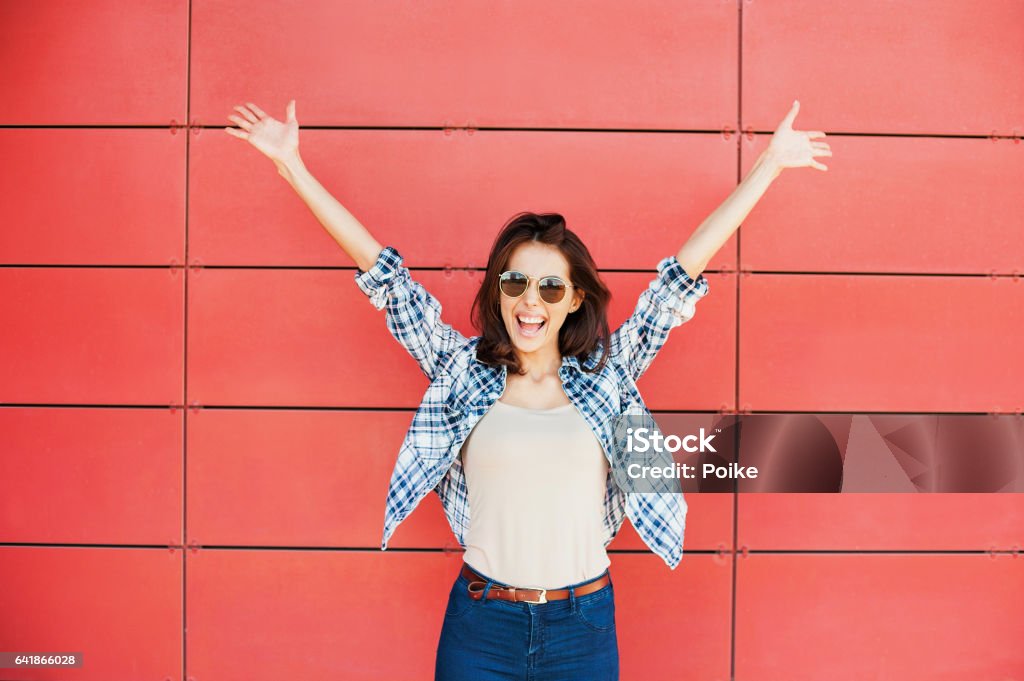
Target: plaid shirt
{"points": [[462, 389]]}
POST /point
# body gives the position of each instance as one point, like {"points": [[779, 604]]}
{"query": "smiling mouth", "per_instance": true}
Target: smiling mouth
{"points": [[530, 325]]}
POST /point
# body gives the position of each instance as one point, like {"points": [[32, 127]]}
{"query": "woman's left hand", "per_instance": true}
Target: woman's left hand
{"points": [[791, 148]]}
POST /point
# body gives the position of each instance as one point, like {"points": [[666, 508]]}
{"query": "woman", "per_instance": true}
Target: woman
{"points": [[514, 430]]}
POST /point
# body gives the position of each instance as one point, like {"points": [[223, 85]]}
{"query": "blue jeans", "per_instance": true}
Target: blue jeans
{"points": [[566, 639]]}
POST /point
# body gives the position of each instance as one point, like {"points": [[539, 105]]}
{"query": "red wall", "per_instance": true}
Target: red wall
{"points": [[200, 411]]}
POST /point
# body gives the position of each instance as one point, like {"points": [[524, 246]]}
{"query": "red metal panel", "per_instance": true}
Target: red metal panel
{"points": [[920, 522], [708, 525], [631, 197], [126, 206], [528, 64], [97, 63], [673, 624], [310, 337], [881, 66], [300, 478], [881, 343], [879, 617], [307, 337], [293, 598], [120, 608], [315, 614], [935, 205], [91, 475], [93, 335]]}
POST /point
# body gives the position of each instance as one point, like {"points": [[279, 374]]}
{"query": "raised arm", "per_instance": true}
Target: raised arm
{"points": [[671, 297], [788, 148], [279, 141], [667, 302], [413, 315]]}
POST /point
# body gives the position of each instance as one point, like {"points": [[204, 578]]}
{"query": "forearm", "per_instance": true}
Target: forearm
{"points": [[716, 229], [350, 234]]}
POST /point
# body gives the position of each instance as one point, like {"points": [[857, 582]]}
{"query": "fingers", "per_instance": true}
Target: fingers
{"points": [[249, 116], [815, 133], [291, 111], [256, 110], [240, 122], [817, 165]]}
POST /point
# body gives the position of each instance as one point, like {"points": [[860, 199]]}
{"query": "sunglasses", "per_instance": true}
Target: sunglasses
{"points": [[514, 284]]}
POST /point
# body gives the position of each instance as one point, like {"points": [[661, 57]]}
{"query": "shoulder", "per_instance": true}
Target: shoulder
{"points": [[462, 356], [612, 366]]}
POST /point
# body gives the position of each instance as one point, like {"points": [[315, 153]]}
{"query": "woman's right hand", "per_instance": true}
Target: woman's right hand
{"points": [[278, 140]]}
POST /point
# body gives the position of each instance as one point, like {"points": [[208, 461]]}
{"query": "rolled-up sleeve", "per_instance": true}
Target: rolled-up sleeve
{"points": [[668, 301], [376, 281], [412, 314]]}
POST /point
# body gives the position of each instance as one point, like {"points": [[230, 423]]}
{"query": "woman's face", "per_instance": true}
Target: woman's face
{"points": [[531, 322]]}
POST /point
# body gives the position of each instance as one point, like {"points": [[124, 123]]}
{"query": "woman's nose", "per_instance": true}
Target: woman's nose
{"points": [[532, 294]]}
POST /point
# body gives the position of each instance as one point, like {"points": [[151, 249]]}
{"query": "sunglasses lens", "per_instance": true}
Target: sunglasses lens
{"points": [[513, 284], [552, 289]]}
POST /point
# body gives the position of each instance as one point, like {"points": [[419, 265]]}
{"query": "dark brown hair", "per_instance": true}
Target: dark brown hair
{"points": [[583, 331]]}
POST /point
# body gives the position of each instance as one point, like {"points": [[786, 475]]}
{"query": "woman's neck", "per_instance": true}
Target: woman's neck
{"points": [[540, 363]]}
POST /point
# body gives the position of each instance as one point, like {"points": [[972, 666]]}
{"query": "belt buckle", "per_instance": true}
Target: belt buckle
{"points": [[543, 596]]}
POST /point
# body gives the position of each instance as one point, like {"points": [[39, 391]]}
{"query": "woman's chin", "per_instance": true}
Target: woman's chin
{"points": [[524, 343]]}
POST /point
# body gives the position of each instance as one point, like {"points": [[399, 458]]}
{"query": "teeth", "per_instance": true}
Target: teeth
{"points": [[531, 320]]}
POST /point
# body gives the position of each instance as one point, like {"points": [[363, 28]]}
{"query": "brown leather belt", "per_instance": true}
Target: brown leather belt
{"points": [[523, 594]]}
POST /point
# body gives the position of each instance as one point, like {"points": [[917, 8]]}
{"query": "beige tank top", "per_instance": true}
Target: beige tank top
{"points": [[536, 480]]}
